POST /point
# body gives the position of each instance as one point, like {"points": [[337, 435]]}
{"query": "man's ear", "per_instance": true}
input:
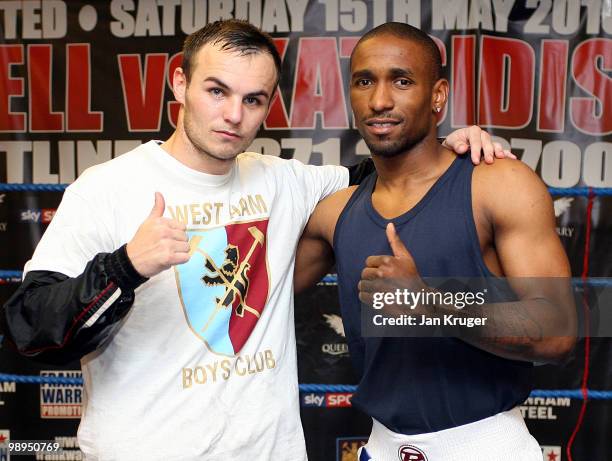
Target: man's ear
{"points": [[439, 95], [179, 84]]}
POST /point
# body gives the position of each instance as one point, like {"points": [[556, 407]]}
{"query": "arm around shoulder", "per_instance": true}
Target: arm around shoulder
{"points": [[315, 256]]}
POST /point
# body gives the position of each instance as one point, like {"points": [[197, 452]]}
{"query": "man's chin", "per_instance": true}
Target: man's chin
{"points": [[228, 152], [385, 149], [223, 154], [225, 157]]}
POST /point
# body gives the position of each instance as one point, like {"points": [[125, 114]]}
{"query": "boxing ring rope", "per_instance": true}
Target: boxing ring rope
{"points": [[314, 388], [332, 279], [569, 191]]}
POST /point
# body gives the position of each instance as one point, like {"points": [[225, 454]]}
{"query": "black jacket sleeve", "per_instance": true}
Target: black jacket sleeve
{"points": [[57, 319]]}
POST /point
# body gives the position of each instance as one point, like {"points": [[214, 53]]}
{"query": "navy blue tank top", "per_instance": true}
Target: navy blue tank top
{"points": [[419, 385]]}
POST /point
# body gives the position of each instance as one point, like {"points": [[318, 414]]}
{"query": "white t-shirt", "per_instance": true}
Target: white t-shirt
{"points": [[204, 364]]}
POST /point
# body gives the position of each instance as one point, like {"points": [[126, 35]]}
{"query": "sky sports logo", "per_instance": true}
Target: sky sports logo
{"points": [[327, 399], [38, 215]]}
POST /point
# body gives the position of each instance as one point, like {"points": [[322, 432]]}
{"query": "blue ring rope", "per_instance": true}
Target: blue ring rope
{"points": [[577, 282], [332, 279], [574, 191], [580, 191], [15, 276], [320, 388], [15, 187]]}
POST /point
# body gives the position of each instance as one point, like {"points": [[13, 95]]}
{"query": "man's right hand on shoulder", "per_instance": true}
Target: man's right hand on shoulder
{"points": [[159, 243]]}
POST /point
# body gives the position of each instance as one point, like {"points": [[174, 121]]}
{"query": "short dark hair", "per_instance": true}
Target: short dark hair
{"points": [[232, 35], [408, 32]]}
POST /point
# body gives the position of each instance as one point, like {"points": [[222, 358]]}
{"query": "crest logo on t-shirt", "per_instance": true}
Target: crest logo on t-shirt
{"points": [[224, 285], [411, 453]]}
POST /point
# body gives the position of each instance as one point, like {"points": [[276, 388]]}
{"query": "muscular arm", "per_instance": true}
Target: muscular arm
{"points": [[542, 325], [314, 259], [315, 256]]}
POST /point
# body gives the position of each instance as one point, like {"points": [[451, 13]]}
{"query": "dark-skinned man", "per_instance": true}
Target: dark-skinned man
{"points": [[424, 213]]}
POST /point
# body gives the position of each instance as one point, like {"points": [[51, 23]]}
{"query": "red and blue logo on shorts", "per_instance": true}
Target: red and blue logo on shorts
{"points": [[224, 286], [411, 453]]}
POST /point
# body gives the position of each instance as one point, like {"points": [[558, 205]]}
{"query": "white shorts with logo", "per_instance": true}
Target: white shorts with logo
{"points": [[502, 437]]}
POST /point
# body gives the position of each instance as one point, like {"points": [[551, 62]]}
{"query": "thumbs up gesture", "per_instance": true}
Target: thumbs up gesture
{"points": [[159, 242], [387, 273]]}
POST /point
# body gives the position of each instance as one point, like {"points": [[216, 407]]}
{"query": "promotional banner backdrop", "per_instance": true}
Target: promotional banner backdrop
{"points": [[83, 82]]}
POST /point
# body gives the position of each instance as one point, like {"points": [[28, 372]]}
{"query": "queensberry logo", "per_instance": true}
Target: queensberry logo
{"points": [[327, 400], [61, 401], [41, 215]]}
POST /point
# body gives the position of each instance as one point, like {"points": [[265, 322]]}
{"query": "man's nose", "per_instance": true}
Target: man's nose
{"points": [[232, 112], [381, 98]]}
